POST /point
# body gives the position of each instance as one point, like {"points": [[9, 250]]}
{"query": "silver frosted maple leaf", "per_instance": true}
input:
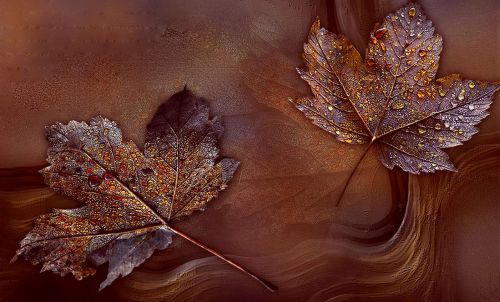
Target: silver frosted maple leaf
{"points": [[391, 97], [129, 196]]}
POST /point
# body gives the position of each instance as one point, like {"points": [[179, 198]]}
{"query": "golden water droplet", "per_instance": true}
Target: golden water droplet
{"points": [[407, 52], [348, 140], [460, 132], [398, 105], [461, 95], [374, 40], [316, 88], [379, 33], [420, 93], [382, 46], [437, 126], [422, 130], [422, 53], [330, 107], [420, 144], [359, 141], [434, 165], [441, 91], [472, 85], [429, 47], [330, 52], [412, 12], [408, 62], [337, 132]]}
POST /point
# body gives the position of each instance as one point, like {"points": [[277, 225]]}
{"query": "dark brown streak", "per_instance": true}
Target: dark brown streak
{"points": [[352, 173]]}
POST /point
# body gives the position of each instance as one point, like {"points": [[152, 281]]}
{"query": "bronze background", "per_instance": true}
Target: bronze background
{"points": [[394, 238]]}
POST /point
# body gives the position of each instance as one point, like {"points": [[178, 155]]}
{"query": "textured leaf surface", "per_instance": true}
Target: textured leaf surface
{"points": [[392, 97], [128, 196]]}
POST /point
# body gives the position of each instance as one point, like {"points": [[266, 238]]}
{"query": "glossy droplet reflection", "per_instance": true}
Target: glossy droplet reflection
{"points": [[441, 92], [461, 95], [94, 180], [412, 12], [379, 33], [398, 105], [108, 176], [420, 93]]}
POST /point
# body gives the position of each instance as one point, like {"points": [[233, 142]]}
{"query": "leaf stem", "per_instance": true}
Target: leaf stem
{"points": [[352, 173], [271, 287]]}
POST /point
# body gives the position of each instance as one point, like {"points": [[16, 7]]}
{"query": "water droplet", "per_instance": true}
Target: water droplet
{"points": [[461, 95], [472, 107], [407, 52], [420, 93], [434, 165], [472, 85], [408, 62], [460, 117], [382, 46], [94, 180], [337, 132], [374, 40], [420, 144], [412, 12], [147, 171], [422, 53], [398, 105], [422, 130], [441, 91], [348, 140], [437, 126], [460, 131], [359, 141], [429, 47], [379, 33], [330, 108], [447, 124]]}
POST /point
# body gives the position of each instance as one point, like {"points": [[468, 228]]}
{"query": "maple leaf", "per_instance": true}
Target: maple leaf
{"points": [[391, 98], [129, 196]]}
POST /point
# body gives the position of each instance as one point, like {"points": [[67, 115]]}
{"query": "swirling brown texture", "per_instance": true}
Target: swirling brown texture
{"points": [[426, 238]]}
